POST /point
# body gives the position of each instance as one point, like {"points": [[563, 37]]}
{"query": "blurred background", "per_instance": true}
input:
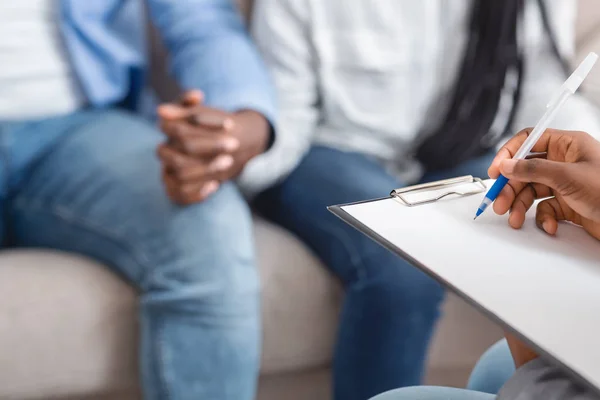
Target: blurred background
{"points": [[588, 39]]}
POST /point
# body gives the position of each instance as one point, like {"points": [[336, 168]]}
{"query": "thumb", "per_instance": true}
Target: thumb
{"points": [[549, 173], [173, 111]]}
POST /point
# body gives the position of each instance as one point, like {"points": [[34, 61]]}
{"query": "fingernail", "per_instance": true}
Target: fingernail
{"points": [[166, 108], [231, 144], [195, 95], [209, 188], [222, 163], [546, 225], [508, 166]]}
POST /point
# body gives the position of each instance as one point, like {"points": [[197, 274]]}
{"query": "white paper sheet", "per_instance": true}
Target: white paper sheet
{"points": [[546, 288]]}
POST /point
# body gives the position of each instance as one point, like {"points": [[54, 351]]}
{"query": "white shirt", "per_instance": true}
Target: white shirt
{"points": [[36, 79], [372, 75]]}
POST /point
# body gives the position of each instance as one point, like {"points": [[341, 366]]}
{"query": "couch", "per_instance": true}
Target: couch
{"points": [[68, 325]]}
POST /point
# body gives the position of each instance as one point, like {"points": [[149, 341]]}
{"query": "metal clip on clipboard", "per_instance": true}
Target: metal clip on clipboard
{"points": [[435, 187]]}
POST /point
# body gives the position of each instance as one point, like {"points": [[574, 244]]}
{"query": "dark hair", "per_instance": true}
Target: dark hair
{"points": [[492, 67]]}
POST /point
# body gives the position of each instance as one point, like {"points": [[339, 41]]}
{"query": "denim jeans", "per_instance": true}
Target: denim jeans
{"points": [[90, 183], [492, 371], [390, 308]]}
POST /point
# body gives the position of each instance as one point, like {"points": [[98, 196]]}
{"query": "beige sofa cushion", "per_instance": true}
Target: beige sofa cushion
{"points": [[300, 303], [67, 327]]}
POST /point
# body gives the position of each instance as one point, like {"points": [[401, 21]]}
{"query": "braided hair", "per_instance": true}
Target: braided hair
{"points": [[490, 76]]}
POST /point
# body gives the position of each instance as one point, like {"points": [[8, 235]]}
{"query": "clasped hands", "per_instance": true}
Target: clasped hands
{"points": [[205, 146]]}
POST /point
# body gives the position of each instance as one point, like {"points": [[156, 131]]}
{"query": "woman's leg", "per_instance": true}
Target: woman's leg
{"points": [[493, 369], [477, 167], [390, 307], [496, 366], [491, 372], [433, 393]]}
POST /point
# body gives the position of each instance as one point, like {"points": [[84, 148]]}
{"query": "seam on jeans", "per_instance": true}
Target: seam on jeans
{"points": [[119, 240], [165, 359]]}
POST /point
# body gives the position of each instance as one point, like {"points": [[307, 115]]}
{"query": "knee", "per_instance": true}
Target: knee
{"points": [[430, 393], [405, 287], [409, 393], [420, 295], [368, 267], [212, 282], [204, 262], [493, 369]]}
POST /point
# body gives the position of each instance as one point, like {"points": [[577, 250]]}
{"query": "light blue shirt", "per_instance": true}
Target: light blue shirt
{"points": [[208, 46]]}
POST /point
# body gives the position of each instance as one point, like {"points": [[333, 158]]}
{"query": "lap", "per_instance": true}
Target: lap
{"points": [[98, 192], [433, 393], [477, 167], [324, 178], [327, 177]]}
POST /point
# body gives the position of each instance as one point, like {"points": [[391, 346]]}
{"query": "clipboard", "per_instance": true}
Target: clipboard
{"points": [[446, 188], [545, 290]]}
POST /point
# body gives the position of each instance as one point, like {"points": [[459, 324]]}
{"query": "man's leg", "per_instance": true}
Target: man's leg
{"points": [[98, 192], [433, 393], [390, 307]]}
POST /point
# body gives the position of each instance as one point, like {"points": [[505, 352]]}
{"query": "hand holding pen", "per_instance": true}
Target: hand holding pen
{"points": [[567, 180], [567, 90]]}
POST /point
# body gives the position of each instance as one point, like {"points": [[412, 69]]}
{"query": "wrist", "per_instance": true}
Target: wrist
{"points": [[254, 131]]}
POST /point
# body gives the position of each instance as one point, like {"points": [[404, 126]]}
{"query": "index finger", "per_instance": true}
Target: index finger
{"points": [[196, 115], [198, 141], [511, 148]]}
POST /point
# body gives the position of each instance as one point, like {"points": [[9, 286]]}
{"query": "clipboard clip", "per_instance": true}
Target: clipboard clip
{"points": [[402, 194]]}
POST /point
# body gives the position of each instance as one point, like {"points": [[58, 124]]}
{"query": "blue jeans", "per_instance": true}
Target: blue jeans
{"points": [[89, 183], [390, 308], [491, 372]]}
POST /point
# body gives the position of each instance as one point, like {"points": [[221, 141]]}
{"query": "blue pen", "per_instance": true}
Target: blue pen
{"points": [[567, 90]]}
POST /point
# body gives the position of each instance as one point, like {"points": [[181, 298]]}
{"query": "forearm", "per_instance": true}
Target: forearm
{"points": [[210, 50]]}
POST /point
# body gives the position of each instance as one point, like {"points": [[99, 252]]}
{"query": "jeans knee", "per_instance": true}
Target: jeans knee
{"points": [[423, 296], [406, 287], [205, 263], [231, 291], [493, 369]]}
